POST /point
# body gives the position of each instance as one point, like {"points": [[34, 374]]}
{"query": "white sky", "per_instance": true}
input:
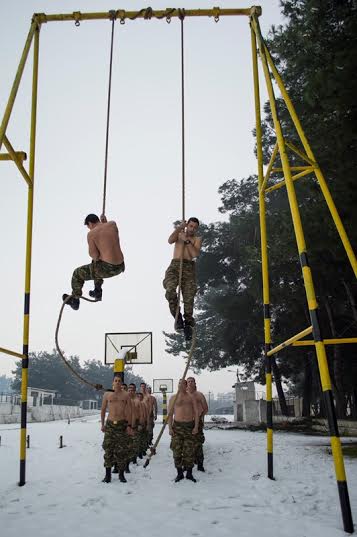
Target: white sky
{"points": [[144, 174]]}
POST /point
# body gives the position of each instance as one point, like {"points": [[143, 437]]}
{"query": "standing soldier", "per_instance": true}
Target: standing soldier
{"points": [[117, 428], [202, 411], [142, 425], [183, 427], [136, 421], [187, 248], [152, 413]]}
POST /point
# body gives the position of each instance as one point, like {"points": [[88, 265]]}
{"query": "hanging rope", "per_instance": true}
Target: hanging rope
{"points": [[98, 387], [183, 162], [112, 18], [193, 342]]}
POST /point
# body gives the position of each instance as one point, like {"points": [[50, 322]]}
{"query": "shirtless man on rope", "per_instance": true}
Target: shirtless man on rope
{"points": [[202, 411], [187, 247], [117, 429], [183, 427], [108, 259]]}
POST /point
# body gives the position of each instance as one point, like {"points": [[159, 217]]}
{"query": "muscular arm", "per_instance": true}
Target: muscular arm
{"points": [[204, 404], [92, 248], [196, 415], [129, 413], [170, 413], [103, 409], [194, 249], [175, 234]]}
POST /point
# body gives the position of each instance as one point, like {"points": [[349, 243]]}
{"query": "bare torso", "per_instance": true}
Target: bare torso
{"points": [[104, 243], [201, 403], [179, 246], [184, 408], [118, 405]]}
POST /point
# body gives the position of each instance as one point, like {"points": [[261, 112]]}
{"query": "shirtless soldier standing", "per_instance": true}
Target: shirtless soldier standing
{"points": [[117, 428], [202, 411], [187, 246], [152, 413], [183, 427], [108, 259]]}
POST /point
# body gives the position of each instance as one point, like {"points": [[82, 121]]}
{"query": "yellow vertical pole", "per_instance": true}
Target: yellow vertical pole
{"points": [[312, 304], [119, 368], [164, 406], [16, 83], [26, 325], [319, 175], [264, 254]]}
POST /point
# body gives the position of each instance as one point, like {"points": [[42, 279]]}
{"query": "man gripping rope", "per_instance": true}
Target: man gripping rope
{"points": [[187, 247], [107, 259]]}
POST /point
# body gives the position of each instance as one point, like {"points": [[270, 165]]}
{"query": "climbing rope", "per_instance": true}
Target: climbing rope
{"points": [[98, 387], [193, 342], [112, 16], [183, 162]]}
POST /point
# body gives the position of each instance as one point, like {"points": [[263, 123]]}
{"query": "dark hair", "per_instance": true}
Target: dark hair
{"points": [[193, 219], [125, 384], [92, 218], [132, 384]]}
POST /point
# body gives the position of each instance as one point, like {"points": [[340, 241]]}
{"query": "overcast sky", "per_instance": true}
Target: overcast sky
{"points": [[144, 172]]}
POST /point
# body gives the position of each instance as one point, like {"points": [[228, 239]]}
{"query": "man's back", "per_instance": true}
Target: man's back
{"points": [[105, 239]]}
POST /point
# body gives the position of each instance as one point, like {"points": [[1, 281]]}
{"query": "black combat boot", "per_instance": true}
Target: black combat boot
{"points": [[180, 475], [97, 293], [122, 476], [73, 301], [188, 330], [108, 475], [134, 460], [127, 469], [200, 467], [115, 469], [189, 475]]}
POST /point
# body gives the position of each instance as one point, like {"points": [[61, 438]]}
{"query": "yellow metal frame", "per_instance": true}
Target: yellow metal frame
{"points": [[290, 173]]}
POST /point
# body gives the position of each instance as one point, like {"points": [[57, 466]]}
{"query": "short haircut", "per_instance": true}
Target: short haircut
{"points": [[125, 384], [132, 384], [91, 218], [193, 219], [193, 378], [142, 384]]}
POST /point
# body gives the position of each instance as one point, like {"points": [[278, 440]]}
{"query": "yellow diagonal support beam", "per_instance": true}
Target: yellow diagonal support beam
{"points": [[290, 341], [293, 177], [300, 153], [11, 353], [337, 341], [270, 167]]}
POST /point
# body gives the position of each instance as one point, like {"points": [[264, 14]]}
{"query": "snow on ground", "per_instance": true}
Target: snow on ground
{"points": [[64, 493]]}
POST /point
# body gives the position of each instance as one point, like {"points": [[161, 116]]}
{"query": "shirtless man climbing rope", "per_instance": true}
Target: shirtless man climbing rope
{"points": [[187, 247], [107, 259], [183, 427], [117, 429]]}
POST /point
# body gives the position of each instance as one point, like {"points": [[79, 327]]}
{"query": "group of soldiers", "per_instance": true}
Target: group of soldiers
{"points": [[128, 429]]}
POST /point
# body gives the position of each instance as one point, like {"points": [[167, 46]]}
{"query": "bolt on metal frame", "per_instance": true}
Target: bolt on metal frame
{"points": [[311, 166]]}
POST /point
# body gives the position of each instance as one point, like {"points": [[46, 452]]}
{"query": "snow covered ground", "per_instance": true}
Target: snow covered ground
{"points": [[64, 494]]}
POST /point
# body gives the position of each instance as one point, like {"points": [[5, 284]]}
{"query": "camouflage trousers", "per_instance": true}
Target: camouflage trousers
{"points": [[116, 444], [200, 438], [143, 439], [150, 429], [97, 270], [188, 286], [183, 444]]}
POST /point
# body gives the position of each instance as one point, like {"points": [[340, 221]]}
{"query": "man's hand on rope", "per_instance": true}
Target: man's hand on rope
{"points": [[103, 219], [182, 236], [182, 226]]}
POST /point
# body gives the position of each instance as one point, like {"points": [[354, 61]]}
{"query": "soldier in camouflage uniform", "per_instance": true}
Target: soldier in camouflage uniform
{"points": [[202, 411], [187, 247], [183, 427], [117, 428], [108, 259]]}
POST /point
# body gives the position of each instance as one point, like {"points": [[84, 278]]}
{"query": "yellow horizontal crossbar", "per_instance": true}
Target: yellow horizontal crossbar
{"points": [[12, 353], [293, 168], [290, 341], [148, 13], [338, 341], [21, 155]]}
